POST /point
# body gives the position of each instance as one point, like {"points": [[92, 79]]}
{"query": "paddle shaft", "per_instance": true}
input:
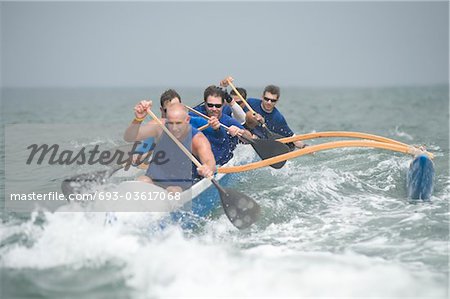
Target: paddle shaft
{"points": [[241, 97], [205, 116], [221, 124], [183, 148], [174, 139]]}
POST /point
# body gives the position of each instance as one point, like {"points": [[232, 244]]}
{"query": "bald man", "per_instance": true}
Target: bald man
{"points": [[170, 168]]}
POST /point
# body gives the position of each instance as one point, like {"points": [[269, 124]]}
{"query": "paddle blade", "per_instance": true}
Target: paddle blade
{"points": [[270, 134], [274, 136], [267, 148], [240, 209], [84, 181]]}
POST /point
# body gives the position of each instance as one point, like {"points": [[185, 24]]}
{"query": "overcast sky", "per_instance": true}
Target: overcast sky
{"points": [[198, 43]]}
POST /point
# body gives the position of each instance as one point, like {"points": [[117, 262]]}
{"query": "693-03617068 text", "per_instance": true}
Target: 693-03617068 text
{"points": [[156, 195]]}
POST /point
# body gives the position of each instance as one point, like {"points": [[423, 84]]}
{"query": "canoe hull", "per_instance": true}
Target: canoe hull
{"points": [[197, 203], [203, 205]]}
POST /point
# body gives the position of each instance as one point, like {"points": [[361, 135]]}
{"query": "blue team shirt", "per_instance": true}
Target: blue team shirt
{"points": [[226, 109], [275, 121], [222, 144]]}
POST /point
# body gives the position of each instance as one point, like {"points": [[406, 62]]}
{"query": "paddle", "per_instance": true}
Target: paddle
{"points": [[70, 185], [240, 209], [265, 148], [270, 134]]}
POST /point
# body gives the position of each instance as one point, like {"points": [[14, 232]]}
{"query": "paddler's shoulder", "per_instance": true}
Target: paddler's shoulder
{"points": [[254, 102], [229, 121], [197, 121]]}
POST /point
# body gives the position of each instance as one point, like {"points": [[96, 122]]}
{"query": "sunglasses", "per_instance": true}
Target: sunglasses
{"points": [[270, 100], [239, 102], [210, 105]]}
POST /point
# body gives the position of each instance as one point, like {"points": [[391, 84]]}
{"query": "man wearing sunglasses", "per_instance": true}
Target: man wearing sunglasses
{"points": [[170, 168], [223, 142], [267, 113]]}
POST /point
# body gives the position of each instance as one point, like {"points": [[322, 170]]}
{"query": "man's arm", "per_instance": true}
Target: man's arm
{"points": [[202, 149], [136, 131], [285, 130], [238, 113]]}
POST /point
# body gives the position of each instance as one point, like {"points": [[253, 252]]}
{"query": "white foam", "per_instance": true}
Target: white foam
{"points": [[75, 239], [171, 265], [181, 268], [400, 133]]}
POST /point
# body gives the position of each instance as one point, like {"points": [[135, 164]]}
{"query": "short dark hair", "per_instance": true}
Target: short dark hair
{"points": [[169, 95], [212, 91], [241, 90], [273, 89]]}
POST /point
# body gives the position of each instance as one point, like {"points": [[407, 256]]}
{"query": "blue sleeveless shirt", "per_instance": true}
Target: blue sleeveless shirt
{"points": [[170, 166]]}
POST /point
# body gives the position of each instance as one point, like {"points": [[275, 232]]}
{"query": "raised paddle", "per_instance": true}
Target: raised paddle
{"points": [[265, 148], [270, 134], [240, 209]]}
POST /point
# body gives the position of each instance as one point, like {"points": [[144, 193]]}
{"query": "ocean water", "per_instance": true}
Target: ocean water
{"points": [[334, 224]]}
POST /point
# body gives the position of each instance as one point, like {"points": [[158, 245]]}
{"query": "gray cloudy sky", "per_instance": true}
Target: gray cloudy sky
{"points": [[197, 43]]}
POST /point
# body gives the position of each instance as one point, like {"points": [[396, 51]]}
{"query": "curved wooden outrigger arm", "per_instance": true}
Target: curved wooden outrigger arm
{"points": [[340, 134], [406, 149]]}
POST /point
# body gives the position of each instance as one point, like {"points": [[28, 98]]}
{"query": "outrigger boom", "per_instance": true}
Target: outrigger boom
{"points": [[420, 177]]}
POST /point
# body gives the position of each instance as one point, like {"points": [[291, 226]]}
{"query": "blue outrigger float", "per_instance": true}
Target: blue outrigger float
{"points": [[420, 178]]}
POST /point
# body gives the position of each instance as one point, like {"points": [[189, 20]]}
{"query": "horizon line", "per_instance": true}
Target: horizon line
{"points": [[246, 86]]}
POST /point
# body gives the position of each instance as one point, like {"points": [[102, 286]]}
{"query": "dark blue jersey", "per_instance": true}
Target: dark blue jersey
{"points": [[222, 144], [197, 121], [275, 121], [226, 109]]}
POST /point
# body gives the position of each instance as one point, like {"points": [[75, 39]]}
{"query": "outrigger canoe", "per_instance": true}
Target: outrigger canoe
{"points": [[202, 199]]}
